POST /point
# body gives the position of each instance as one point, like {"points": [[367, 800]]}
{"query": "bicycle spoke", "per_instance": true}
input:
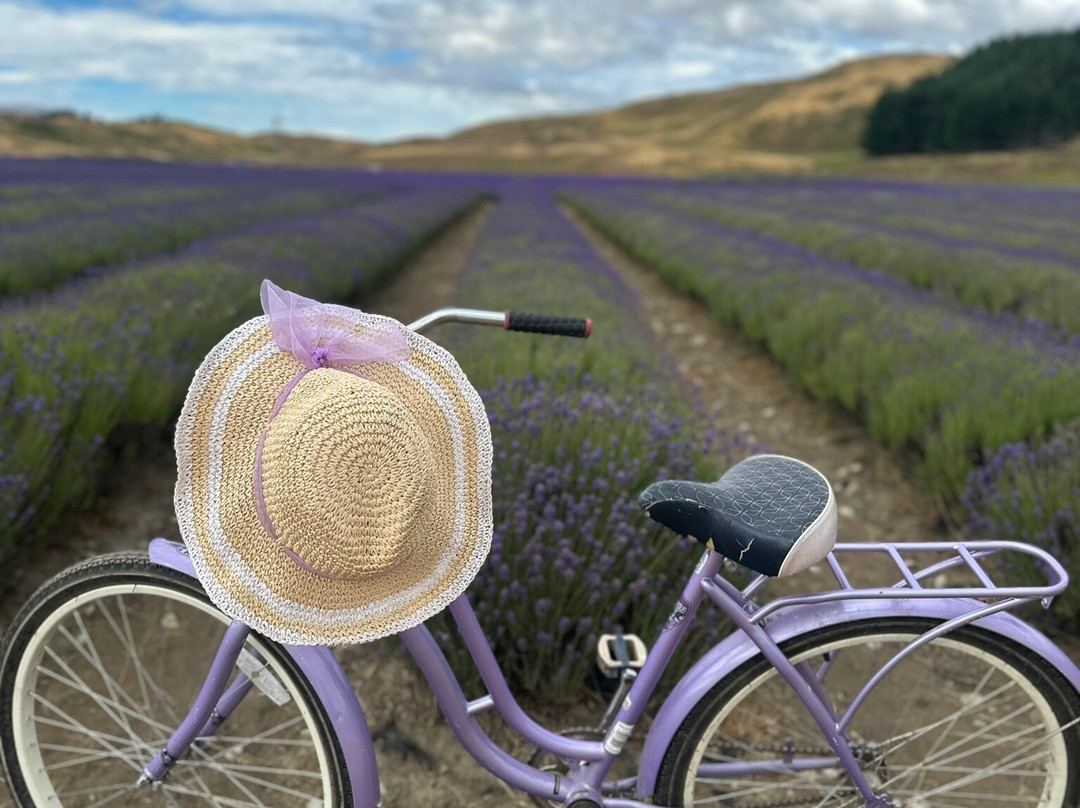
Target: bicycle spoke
{"points": [[106, 800], [973, 735], [264, 736], [985, 773], [95, 692], [140, 671], [963, 711], [223, 802], [141, 674], [92, 757], [955, 718], [91, 655], [88, 732], [79, 686], [51, 722]]}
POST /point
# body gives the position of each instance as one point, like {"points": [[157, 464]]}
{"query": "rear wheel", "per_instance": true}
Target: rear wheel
{"points": [[103, 664], [970, 720]]}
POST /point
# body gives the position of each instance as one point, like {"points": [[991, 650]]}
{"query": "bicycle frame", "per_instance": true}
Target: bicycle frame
{"points": [[760, 632]]}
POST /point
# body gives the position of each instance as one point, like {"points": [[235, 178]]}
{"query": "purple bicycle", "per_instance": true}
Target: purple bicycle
{"points": [[922, 692]]}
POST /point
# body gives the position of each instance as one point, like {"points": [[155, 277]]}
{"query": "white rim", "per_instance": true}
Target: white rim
{"points": [[32, 765], [1056, 767]]}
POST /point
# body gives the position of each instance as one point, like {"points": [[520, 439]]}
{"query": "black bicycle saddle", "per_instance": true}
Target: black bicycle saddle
{"points": [[773, 514]]}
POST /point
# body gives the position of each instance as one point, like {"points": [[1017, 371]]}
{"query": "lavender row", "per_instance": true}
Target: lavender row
{"points": [[24, 204], [1032, 273], [120, 349], [997, 215], [1030, 491], [923, 372], [579, 429], [47, 254]]}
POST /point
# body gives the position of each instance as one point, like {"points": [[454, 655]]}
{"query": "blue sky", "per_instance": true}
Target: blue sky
{"points": [[385, 69]]}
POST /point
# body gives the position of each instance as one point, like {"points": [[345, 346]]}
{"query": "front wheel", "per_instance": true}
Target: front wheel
{"points": [[102, 665], [970, 720]]}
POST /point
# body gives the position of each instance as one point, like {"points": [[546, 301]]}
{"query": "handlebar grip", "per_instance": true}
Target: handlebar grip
{"points": [[548, 324]]}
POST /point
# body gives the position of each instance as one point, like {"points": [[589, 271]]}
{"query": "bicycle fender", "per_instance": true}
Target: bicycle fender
{"points": [[331, 685], [737, 648]]}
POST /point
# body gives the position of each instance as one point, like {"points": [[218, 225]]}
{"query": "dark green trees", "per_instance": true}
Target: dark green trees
{"points": [[1021, 91]]}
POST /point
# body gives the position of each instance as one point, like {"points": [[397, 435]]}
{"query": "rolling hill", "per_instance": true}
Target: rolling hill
{"points": [[784, 126], [64, 134], [780, 126]]}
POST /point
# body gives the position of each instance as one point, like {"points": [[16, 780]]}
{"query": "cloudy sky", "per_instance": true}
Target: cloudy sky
{"points": [[383, 69]]}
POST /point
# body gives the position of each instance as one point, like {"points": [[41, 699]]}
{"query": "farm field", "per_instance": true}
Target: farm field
{"points": [[939, 318], [729, 317]]}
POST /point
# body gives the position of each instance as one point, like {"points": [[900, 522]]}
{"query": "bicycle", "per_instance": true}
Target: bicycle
{"points": [[896, 696]]}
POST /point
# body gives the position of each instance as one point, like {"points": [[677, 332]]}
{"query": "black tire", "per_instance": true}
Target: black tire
{"points": [[123, 568], [1058, 692]]}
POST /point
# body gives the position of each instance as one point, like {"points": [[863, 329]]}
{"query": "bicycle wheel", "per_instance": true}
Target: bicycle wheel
{"points": [[103, 664], [970, 720]]}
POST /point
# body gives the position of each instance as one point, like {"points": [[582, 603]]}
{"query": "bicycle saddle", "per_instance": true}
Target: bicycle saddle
{"points": [[773, 514]]}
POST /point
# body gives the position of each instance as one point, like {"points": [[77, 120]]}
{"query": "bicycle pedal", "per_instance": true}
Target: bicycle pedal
{"points": [[618, 652]]}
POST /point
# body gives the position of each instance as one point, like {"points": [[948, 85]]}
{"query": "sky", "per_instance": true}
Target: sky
{"points": [[387, 69]]}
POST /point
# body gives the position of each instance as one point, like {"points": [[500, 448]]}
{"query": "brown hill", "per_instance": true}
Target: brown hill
{"points": [[64, 134], [782, 126], [779, 126]]}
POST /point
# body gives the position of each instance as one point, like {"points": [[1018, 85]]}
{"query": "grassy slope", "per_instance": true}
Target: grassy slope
{"points": [[65, 135], [808, 125], [779, 126], [776, 127]]}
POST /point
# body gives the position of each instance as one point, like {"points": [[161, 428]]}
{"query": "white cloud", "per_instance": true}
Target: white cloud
{"points": [[389, 67], [691, 70]]}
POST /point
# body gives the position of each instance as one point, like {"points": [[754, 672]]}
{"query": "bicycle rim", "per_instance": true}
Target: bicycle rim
{"points": [[956, 725], [109, 674]]}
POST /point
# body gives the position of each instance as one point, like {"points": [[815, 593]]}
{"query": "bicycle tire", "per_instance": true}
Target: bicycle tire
{"points": [[125, 569], [678, 764]]}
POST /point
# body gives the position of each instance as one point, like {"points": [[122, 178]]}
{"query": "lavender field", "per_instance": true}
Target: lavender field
{"points": [[946, 319]]}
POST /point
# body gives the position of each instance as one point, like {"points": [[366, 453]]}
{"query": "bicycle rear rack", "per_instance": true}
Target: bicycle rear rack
{"points": [[965, 555]]}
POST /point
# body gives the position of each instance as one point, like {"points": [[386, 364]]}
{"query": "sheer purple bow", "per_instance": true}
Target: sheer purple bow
{"points": [[303, 327]]}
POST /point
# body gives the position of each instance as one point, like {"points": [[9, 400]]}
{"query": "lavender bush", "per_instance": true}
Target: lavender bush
{"points": [[579, 429], [1005, 251], [922, 371], [120, 349], [572, 555], [54, 250], [22, 204], [1030, 491]]}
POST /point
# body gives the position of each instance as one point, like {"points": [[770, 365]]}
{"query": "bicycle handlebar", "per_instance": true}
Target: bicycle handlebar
{"points": [[548, 324], [509, 320]]}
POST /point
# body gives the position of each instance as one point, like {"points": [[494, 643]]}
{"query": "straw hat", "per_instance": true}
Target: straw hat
{"points": [[334, 474]]}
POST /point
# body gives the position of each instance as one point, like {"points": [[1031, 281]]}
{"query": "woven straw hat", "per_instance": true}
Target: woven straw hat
{"points": [[334, 474]]}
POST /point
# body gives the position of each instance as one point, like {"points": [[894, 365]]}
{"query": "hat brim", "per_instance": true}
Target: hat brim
{"points": [[250, 577]]}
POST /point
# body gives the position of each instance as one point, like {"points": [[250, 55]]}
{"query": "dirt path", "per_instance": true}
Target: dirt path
{"points": [[744, 389]]}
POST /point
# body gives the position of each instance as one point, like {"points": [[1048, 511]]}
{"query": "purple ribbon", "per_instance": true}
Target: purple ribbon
{"points": [[309, 331]]}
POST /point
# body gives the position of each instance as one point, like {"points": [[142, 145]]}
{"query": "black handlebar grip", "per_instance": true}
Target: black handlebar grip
{"points": [[548, 324]]}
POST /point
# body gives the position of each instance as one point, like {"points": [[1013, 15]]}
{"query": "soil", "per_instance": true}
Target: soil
{"points": [[743, 389], [736, 381]]}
